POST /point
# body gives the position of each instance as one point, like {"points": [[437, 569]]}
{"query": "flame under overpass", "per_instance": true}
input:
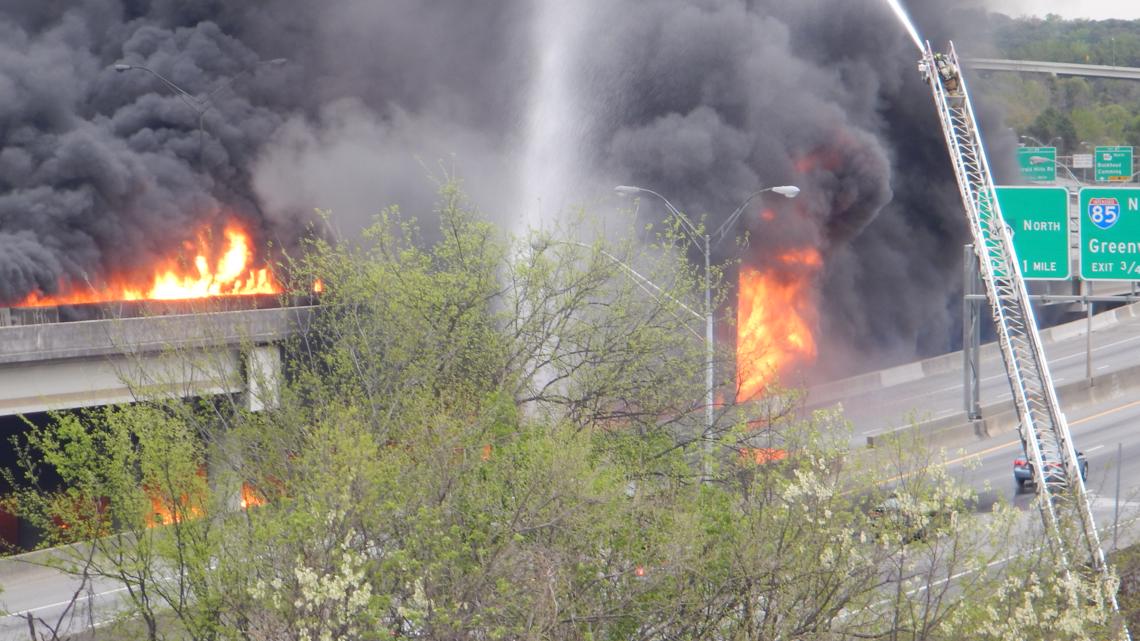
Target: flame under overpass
{"points": [[1053, 68]]}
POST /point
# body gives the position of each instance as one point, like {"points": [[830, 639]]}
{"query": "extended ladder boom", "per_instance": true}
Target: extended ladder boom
{"points": [[1044, 433]]}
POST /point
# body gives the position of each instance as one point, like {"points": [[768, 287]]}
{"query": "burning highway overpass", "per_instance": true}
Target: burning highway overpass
{"points": [[118, 184], [203, 269]]}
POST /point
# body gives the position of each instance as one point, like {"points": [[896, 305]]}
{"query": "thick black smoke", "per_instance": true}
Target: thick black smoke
{"points": [[717, 99], [103, 172], [704, 100]]}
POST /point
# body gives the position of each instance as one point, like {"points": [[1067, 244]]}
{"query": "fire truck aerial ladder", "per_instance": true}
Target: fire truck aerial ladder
{"points": [[1044, 432]]}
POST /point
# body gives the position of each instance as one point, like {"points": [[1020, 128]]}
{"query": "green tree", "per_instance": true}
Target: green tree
{"points": [[1052, 123], [1099, 108], [485, 440]]}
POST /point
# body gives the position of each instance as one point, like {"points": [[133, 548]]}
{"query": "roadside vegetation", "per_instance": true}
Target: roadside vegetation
{"points": [[483, 439], [1082, 112]]}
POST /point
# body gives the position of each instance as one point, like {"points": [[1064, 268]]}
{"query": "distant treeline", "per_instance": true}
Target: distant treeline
{"points": [[1070, 113]]}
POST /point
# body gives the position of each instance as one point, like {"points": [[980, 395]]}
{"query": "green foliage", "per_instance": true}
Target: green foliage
{"points": [[1084, 112], [477, 440], [1051, 124], [1127, 563]]}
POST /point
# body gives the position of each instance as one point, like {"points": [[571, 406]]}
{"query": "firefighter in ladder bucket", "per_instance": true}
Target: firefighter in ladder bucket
{"points": [[947, 73]]}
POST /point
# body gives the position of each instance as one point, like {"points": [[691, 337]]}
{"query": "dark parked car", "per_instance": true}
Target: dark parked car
{"points": [[1023, 470]]}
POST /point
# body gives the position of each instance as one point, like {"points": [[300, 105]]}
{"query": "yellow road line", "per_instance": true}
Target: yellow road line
{"points": [[997, 448]]}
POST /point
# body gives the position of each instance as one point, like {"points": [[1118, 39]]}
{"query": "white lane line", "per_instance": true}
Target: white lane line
{"points": [[82, 597], [907, 422], [1093, 449], [1081, 354], [958, 387]]}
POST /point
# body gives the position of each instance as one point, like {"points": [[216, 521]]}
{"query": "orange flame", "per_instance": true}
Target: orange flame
{"points": [[250, 496], [166, 509], [230, 275], [762, 455], [775, 316]]}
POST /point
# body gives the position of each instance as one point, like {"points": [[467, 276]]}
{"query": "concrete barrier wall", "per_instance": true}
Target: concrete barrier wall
{"points": [[55, 341], [871, 381], [39, 564], [1001, 417]]}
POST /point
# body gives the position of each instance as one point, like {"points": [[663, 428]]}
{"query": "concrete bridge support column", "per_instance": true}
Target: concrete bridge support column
{"points": [[262, 371]]}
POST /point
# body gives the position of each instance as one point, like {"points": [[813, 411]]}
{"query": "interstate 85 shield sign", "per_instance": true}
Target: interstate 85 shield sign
{"points": [[1103, 212]]}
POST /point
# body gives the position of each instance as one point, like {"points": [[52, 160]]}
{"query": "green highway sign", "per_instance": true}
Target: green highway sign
{"points": [[1039, 220], [1110, 233], [1113, 164], [1037, 163]]}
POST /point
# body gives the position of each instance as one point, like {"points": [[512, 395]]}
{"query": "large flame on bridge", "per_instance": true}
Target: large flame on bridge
{"points": [[203, 271], [775, 318]]}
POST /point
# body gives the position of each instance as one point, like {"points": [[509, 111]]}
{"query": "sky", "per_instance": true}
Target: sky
{"points": [[1092, 9]]}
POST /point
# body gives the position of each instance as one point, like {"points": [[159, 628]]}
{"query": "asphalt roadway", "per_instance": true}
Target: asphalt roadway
{"points": [[1104, 432], [1104, 425], [922, 397]]}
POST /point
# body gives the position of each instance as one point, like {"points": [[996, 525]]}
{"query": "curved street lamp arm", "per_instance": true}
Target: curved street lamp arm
{"points": [[690, 228], [1037, 160], [728, 224], [1072, 175], [192, 101], [1038, 142], [199, 104], [643, 282], [788, 191]]}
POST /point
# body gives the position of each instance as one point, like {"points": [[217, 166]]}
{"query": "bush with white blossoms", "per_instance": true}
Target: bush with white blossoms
{"points": [[324, 602]]}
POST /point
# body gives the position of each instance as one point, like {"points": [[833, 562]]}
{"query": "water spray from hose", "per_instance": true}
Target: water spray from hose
{"points": [[900, 11]]}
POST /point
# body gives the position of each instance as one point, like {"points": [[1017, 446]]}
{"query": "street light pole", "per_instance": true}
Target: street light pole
{"points": [[710, 357], [199, 105], [704, 242], [1037, 160], [191, 101], [1041, 144]]}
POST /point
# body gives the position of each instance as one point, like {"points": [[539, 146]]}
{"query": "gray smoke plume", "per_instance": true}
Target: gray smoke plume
{"points": [[706, 101]]}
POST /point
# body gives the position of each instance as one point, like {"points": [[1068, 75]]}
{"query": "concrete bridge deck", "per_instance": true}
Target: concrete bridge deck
{"points": [[58, 366]]}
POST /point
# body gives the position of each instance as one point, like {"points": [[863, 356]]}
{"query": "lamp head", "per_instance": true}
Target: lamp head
{"points": [[121, 67], [787, 191], [626, 190]]}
